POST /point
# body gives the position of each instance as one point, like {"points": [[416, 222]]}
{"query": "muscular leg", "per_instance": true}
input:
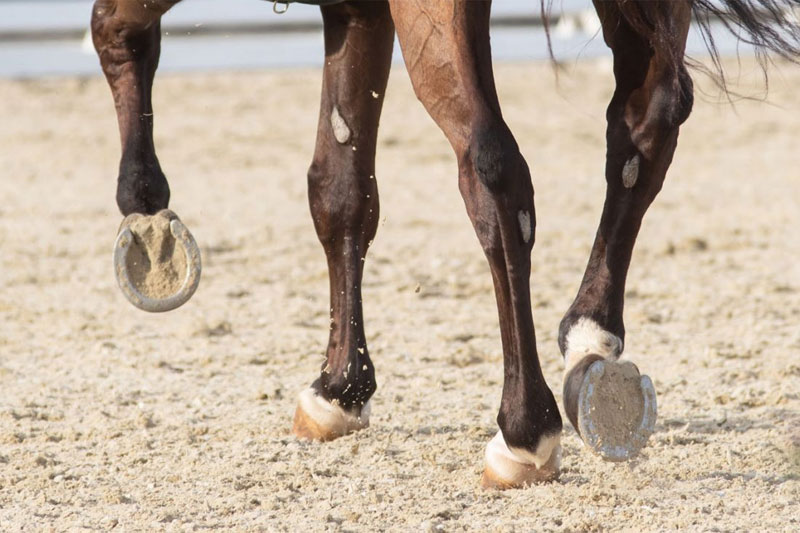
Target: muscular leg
{"points": [[446, 49], [127, 36], [343, 196], [652, 98]]}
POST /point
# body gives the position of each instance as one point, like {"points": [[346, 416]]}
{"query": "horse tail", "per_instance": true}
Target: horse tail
{"points": [[770, 26]]}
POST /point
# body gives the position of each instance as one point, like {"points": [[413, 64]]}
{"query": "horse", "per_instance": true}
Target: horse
{"points": [[446, 49]]}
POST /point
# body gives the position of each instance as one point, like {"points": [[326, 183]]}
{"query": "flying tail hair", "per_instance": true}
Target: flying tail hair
{"points": [[771, 26]]}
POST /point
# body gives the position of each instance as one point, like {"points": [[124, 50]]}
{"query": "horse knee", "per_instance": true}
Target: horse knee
{"points": [[685, 96], [494, 158], [671, 101], [343, 200], [668, 104], [495, 183]]}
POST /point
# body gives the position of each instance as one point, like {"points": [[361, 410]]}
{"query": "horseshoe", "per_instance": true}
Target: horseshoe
{"points": [[591, 409], [190, 281]]}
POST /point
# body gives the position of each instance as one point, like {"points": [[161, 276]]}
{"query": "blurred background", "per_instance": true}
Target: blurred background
{"points": [[50, 37]]}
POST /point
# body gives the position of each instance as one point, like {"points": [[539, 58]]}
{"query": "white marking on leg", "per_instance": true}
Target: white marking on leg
{"points": [[525, 225], [630, 172], [544, 451], [587, 337], [330, 416], [507, 461], [340, 129]]}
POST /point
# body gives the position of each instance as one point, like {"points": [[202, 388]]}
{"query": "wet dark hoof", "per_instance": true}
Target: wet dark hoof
{"points": [[616, 409], [156, 261]]}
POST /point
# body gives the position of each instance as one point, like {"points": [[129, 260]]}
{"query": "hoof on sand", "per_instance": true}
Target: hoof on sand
{"points": [[509, 469], [318, 419], [616, 410]]}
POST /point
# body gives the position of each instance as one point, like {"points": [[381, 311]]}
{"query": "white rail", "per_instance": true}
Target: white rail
{"points": [[64, 19], [44, 37]]}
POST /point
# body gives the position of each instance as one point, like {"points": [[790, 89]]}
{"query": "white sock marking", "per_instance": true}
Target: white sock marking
{"points": [[587, 337], [506, 461], [330, 416]]}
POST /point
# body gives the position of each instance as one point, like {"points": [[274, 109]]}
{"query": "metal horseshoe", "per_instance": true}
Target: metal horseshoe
{"points": [[190, 281]]}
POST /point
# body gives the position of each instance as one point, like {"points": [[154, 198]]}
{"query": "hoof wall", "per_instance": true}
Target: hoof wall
{"points": [[616, 410], [305, 427], [527, 475], [505, 469], [318, 419]]}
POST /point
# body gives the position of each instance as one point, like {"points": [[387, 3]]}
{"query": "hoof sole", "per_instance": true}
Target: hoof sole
{"points": [[156, 261], [317, 419], [616, 410]]}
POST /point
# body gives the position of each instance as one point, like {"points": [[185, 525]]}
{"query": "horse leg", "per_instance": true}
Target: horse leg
{"points": [[127, 37], [446, 49], [609, 403], [343, 196]]}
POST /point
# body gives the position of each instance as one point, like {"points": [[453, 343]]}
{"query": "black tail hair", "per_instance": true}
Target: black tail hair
{"points": [[769, 25]]}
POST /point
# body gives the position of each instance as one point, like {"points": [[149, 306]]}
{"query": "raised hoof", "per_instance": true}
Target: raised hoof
{"points": [[318, 419], [506, 469], [616, 409], [156, 261]]}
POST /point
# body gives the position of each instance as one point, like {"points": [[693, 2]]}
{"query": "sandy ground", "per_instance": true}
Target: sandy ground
{"points": [[112, 418]]}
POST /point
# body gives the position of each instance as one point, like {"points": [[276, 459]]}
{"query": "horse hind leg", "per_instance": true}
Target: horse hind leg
{"points": [[446, 49], [607, 401], [150, 273], [343, 197]]}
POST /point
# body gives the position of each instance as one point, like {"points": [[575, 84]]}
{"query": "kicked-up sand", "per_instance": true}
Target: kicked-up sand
{"points": [[111, 418]]}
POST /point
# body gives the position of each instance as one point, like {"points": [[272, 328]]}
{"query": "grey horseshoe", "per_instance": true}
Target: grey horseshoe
{"points": [[590, 432], [190, 281]]}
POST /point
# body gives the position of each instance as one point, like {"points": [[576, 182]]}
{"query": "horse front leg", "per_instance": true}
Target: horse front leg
{"points": [[608, 402], [343, 196], [446, 49], [151, 274]]}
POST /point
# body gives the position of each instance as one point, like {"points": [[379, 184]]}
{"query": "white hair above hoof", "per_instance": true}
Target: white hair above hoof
{"points": [[510, 468], [318, 419], [587, 337]]}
